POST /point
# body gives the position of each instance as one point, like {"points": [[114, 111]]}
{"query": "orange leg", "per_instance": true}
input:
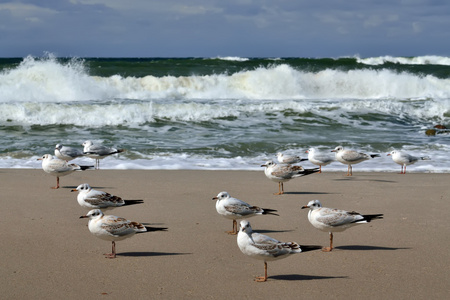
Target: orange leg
{"points": [[328, 249], [349, 170], [262, 278], [113, 252], [57, 184], [234, 231], [280, 189]]}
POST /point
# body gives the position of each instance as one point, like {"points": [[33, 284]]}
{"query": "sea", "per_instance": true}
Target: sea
{"points": [[225, 113]]}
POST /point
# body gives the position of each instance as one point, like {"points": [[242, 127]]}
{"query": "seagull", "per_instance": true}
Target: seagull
{"points": [[263, 247], [58, 167], [98, 152], [67, 153], [90, 198], [320, 159], [232, 208], [289, 159], [282, 173], [404, 159], [349, 157], [112, 228], [335, 220]]}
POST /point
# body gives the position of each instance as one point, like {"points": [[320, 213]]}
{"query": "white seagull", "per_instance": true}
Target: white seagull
{"points": [[90, 198], [318, 158], [335, 220], [67, 153], [289, 159], [98, 152], [235, 209], [350, 157], [404, 159], [263, 247], [58, 167], [283, 173], [112, 228]]}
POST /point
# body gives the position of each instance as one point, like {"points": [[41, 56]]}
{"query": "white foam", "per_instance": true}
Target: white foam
{"points": [[419, 60], [233, 58], [47, 80]]}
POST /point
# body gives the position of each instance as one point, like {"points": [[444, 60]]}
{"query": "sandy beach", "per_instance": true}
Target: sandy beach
{"points": [[49, 253]]}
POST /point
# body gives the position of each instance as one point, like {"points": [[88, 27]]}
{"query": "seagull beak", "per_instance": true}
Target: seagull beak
{"points": [[263, 165], [40, 158], [333, 150], [388, 154], [74, 190], [305, 206], [214, 198], [84, 217]]}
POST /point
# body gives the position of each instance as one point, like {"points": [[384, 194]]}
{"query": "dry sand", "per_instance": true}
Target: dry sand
{"points": [[48, 252]]}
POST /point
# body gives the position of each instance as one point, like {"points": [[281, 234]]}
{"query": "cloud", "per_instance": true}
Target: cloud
{"points": [[215, 27]]}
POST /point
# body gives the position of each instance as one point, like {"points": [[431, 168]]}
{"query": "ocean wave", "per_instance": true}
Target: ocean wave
{"points": [[48, 80], [233, 58], [130, 113], [419, 60]]}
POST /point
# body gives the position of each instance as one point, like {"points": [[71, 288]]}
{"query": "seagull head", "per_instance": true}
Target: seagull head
{"points": [[338, 149], [221, 196], [245, 227], [92, 214], [87, 143], [313, 204], [268, 164], [392, 153], [84, 187], [45, 156]]}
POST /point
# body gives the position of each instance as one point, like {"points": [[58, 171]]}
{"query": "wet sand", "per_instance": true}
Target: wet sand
{"points": [[48, 252]]}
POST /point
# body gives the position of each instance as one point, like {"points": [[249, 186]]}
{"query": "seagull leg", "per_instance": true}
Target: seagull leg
{"points": [[349, 170], [320, 169], [328, 249], [113, 252], [280, 185], [404, 169], [234, 231], [262, 278], [57, 184]]}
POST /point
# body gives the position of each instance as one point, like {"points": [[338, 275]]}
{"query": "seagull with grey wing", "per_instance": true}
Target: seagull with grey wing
{"points": [[404, 159], [335, 220], [263, 247], [235, 209], [98, 152], [283, 172], [67, 153], [90, 198], [319, 158], [351, 157], [112, 228], [289, 159]]}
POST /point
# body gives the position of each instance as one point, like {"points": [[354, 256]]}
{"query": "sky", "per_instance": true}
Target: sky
{"points": [[220, 28]]}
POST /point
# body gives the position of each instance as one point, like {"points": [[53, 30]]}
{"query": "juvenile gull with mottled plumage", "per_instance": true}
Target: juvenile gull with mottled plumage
{"points": [[235, 209], [90, 198], [282, 173], [112, 228], [335, 220]]}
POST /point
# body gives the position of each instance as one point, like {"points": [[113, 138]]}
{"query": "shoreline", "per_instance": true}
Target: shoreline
{"points": [[49, 252]]}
